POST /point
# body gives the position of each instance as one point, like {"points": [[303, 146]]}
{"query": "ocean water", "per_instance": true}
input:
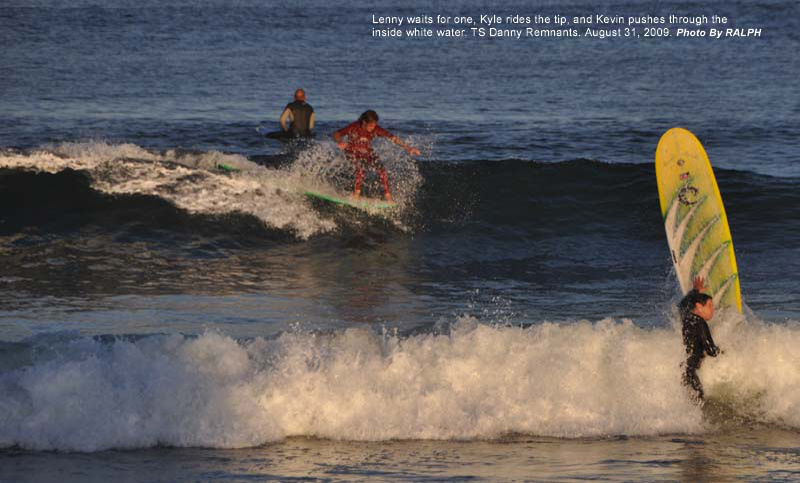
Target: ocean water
{"points": [[165, 320]]}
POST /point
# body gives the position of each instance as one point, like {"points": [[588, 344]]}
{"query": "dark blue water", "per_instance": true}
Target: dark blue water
{"points": [[149, 299]]}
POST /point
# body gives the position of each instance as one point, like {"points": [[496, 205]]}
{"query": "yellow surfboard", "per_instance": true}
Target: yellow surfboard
{"points": [[694, 217]]}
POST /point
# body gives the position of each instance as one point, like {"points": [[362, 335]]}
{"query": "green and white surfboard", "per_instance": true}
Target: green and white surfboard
{"points": [[694, 217]]}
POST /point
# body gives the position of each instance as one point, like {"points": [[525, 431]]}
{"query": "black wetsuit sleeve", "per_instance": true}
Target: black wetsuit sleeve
{"points": [[708, 342]]}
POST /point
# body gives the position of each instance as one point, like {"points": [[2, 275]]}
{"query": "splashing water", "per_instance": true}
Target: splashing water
{"points": [[471, 381], [191, 181]]}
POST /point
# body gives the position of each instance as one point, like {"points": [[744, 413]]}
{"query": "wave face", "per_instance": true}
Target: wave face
{"points": [[512, 196], [576, 238]]}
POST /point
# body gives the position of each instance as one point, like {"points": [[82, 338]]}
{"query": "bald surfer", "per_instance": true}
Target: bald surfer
{"points": [[696, 309], [358, 148], [297, 118]]}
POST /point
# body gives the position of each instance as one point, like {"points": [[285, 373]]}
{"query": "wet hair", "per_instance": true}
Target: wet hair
{"points": [[691, 299], [368, 116]]}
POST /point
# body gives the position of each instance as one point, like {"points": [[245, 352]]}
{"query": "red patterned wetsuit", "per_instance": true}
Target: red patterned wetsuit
{"points": [[359, 151]]}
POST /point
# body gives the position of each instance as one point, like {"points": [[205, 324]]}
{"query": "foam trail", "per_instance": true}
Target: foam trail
{"points": [[188, 180], [191, 181]]}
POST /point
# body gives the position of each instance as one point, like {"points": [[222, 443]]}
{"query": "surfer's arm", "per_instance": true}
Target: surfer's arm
{"points": [[391, 137], [409, 149], [311, 121], [339, 135], [286, 115], [699, 284]]}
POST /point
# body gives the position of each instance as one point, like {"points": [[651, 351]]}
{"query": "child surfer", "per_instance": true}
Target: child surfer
{"points": [[358, 148]]}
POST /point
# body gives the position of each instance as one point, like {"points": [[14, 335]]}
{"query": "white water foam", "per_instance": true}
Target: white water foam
{"points": [[564, 380], [191, 181], [760, 367]]}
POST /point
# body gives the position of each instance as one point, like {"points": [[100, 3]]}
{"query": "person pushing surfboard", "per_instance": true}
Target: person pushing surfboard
{"points": [[358, 149], [697, 309], [700, 244]]}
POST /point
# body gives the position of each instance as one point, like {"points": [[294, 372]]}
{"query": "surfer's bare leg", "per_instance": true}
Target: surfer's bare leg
{"points": [[359, 180], [385, 181]]}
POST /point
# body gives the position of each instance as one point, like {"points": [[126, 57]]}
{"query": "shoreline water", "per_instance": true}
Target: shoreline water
{"points": [[724, 456]]}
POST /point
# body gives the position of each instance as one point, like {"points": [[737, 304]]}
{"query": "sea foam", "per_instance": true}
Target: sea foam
{"points": [[577, 379], [191, 180]]}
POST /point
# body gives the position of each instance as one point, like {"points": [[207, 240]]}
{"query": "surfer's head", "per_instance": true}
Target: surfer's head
{"points": [[300, 95], [706, 309], [368, 120], [700, 304]]}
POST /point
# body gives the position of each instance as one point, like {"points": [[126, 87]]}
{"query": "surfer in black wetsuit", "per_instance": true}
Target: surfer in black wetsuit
{"points": [[300, 115], [696, 309]]}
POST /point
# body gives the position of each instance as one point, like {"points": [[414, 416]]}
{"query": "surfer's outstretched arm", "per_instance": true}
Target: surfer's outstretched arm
{"points": [[411, 150], [338, 137], [699, 284]]}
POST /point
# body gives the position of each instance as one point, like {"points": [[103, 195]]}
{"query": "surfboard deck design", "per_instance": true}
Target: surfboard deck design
{"points": [[697, 228], [368, 204]]}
